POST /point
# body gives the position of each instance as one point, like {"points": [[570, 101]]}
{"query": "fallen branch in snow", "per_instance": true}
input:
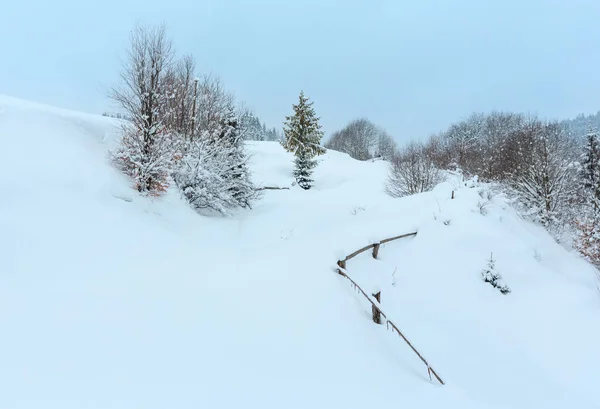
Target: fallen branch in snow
{"points": [[273, 188], [375, 304]]}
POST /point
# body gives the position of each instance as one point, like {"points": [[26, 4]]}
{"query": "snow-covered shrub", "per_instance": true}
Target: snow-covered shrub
{"points": [[412, 171], [587, 241], [483, 205], [201, 178], [147, 163], [490, 275], [213, 172]]}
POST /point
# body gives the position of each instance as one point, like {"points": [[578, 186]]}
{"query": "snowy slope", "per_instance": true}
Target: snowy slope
{"points": [[109, 300]]}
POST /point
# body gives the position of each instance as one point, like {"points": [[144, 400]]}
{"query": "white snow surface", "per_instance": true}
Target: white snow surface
{"points": [[112, 300]]}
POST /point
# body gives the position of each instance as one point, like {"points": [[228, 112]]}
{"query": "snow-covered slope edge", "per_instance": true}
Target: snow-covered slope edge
{"points": [[111, 303]]}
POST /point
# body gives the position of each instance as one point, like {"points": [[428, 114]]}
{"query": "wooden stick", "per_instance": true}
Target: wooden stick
{"points": [[398, 237], [376, 250], [357, 252], [429, 368], [273, 188], [376, 311]]}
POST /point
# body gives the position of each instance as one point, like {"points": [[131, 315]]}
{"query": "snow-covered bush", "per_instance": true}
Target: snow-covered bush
{"points": [[203, 176], [587, 241], [213, 171], [483, 205], [147, 164], [490, 275], [412, 171]]}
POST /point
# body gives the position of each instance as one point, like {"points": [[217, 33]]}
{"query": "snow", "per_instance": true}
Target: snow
{"points": [[111, 300]]}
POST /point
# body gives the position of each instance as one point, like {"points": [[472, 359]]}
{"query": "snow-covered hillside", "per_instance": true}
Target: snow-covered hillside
{"points": [[110, 300]]}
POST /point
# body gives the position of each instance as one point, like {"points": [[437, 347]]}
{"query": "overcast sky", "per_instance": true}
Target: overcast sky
{"points": [[411, 67]]}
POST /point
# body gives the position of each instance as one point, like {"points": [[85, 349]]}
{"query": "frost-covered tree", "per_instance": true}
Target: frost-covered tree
{"points": [[272, 134], [465, 141], [358, 139], [212, 105], [490, 275], [199, 175], [182, 91], [590, 173], [302, 129], [303, 137], [250, 126], [145, 151], [362, 140], [543, 180], [587, 241], [386, 146], [213, 172], [241, 188], [412, 171]]}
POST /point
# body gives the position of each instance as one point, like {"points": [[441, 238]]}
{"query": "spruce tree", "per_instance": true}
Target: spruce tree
{"points": [[302, 136], [590, 173], [303, 170], [241, 188], [490, 275], [587, 241]]}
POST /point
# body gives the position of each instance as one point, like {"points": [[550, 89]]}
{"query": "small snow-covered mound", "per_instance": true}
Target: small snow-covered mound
{"points": [[108, 299]]}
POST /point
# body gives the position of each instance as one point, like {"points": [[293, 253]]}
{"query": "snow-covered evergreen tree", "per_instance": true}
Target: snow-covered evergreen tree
{"points": [[213, 173], [272, 134], [590, 173], [241, 188], [199, 175], [490, 275], [302, 136], [250, 127], [304, 164], [587, 241]]}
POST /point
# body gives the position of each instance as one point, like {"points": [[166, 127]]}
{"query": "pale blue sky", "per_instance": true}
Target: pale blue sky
{"points": [[412, 67]]}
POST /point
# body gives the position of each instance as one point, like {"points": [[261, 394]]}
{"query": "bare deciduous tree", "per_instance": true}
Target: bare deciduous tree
{"points": [[213, 103], [412, 171], [144, 153], [544, 179], [362, 140], [182, 90]]}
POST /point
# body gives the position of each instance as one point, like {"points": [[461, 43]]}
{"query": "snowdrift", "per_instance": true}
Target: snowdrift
{"points": [[110, 300]]}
